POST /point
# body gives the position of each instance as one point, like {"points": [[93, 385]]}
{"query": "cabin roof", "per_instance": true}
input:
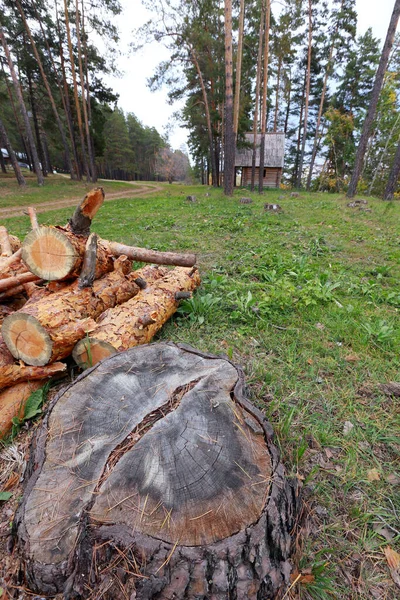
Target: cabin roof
{"points": [[273, 154]]}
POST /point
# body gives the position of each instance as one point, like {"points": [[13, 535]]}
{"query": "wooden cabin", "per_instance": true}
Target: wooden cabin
{"points": [[273, 159]]}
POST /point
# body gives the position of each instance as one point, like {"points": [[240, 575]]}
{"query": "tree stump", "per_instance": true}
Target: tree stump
{"points": [[154, 477]]}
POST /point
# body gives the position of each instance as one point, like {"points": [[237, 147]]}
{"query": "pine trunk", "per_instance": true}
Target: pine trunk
{"points": [[229, 141], [362, 146], [35, 158], [195, 62], [75, 86], [393, 180], [264, 99], [17, 169], [137, 321], [238, 71], [307, 98], [92, 167], [257, 98]]}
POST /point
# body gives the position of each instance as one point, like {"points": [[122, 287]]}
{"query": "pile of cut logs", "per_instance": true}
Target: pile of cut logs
{"points": [[64, 290]]}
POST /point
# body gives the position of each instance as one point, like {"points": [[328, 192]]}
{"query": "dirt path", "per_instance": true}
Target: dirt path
{"points": [[141, 190]]}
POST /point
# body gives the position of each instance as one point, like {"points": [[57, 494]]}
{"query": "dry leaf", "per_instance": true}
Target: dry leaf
{"points": [[393, 560], [347, 427], [307, 579], [310, 361], [319, 326], [373, 475], [380, 529], [393, 479], [352, 358]]}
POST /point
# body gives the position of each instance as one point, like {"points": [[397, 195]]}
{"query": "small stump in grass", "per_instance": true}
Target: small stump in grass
{"points": [[154, 477], [272, 207]]}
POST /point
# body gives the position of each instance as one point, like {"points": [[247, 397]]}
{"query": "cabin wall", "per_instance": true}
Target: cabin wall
{"points": [[272, 177]]}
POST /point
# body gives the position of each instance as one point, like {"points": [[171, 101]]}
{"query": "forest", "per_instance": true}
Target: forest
{"points": [[297, 67]]}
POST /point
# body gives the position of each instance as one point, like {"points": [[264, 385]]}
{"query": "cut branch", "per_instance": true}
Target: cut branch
{"points": [[150, 256], [88, 272], [10, 282], [84, 213]]}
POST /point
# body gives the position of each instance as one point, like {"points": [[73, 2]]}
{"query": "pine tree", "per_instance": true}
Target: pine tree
{"points": [[362, 146]]}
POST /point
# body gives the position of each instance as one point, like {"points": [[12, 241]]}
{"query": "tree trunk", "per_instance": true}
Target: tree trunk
{"points": [[380, 73], [382, 155], [257, 98], [35, 158], [136, 321], [278, 80], [2, 163], [393, 177], [238, 72], [47, 328], [229, 141], [75, 85], [67, 105], [159, 479], [307, 98], [264, 99], [320, 110], [48, 90], [195, 62], [35, 122], [17, 169], [92, 168]]}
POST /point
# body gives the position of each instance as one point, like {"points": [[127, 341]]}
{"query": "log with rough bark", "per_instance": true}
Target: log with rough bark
{"points": [[153, 477], [12, 374], [137, 320], [47, 328], [55, 253], [12, 404]]}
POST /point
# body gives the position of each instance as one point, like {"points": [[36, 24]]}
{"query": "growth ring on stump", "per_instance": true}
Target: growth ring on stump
{"points": [[156, 456]]}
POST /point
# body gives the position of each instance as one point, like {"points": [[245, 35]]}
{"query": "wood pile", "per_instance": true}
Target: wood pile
{"points": [[65, 290]]}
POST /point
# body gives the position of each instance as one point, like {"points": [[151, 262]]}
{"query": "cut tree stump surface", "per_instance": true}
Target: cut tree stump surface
{"points": [[157, 452]]}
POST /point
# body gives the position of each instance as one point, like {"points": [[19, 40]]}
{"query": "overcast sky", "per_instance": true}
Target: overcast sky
{"points": [[152, 108]]}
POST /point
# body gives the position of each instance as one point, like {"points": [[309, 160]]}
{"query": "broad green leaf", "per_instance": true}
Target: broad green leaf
{"points": [[4, 496]]}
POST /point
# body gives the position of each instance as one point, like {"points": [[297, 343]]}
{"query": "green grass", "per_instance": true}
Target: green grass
{"points": [[308, 302], [56, 187]]}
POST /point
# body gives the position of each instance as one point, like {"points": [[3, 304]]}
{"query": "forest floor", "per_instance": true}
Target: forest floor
{"points": [[307, 301]]}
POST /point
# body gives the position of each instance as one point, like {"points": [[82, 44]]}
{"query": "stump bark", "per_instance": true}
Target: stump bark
{"points": [[153, 477]]}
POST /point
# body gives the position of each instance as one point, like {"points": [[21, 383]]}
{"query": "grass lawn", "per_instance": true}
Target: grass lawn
{"points": [[56, 187], [307, 301]]}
